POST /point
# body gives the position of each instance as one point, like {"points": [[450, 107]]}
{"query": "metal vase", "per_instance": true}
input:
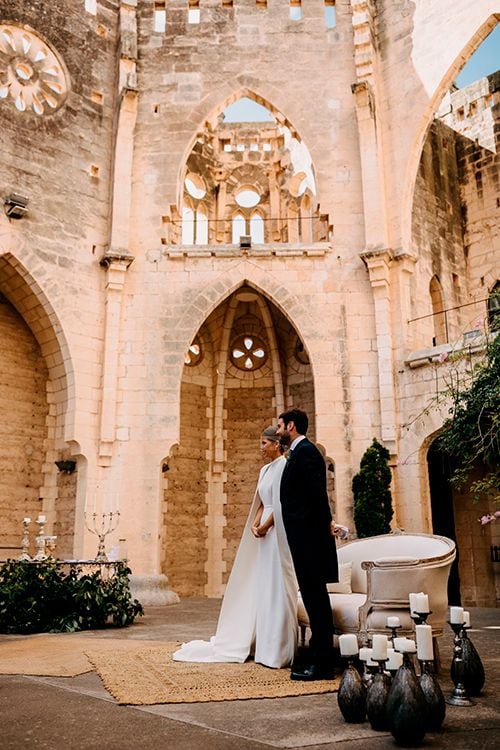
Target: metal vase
{"points": [[436, 706], [351, 696], [473, 674], [376, 700], [407, 707]]}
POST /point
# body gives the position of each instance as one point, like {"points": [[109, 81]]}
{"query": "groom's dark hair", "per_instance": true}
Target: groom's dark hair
{"points": [[298, 417]]}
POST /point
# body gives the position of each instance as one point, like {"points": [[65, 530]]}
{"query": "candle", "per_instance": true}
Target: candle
{"points": [[393, 622], [457, 615], [408, 647], [422, 603], [399, 642], [425, 651], [379, 644], [365, 653], [466, 619], [27, 519], [394, 659], [41, 518], [419, 602], [348, 644]]}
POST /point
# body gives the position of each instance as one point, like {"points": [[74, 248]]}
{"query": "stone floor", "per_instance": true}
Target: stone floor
{"points": [[78, 713]]}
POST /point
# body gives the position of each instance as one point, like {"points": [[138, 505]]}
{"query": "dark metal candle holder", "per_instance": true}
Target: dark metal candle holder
{"points": [[376, 698], [436, 705], [459, 696], [351, 696], [407, 706], [473, 676], [420, 618], [394, 632]]}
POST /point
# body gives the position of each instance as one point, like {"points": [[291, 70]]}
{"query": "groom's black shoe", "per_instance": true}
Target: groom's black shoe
{"points": [[312, 672]]}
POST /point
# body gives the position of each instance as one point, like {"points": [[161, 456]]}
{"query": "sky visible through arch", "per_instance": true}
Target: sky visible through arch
{"points": [[485, 60]]}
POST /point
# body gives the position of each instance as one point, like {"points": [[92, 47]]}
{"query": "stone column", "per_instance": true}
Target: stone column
{"points": [[378, 264]]}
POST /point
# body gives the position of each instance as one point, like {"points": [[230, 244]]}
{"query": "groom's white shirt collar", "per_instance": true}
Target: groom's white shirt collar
{"points": [[297, 441]]}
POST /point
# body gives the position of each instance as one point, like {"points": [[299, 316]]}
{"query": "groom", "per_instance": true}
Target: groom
{"points": [[307, 519]]}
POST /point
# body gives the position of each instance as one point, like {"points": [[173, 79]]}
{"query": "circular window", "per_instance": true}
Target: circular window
{"points": [[32, 77], [194, 354], [195, 186], [247, 198], [248, 352]]}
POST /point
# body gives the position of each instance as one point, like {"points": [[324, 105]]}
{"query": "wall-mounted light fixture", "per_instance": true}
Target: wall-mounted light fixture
{"points": [[16, 206], [68, 466]]}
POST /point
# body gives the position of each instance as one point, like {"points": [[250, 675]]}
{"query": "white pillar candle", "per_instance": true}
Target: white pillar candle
{"points": [[27, 519], [379, 646], [393, 622], [398, 642], [365, 653], [394, 659], [370, 662], [457, 615], [408, 647], [466, 619], [348, 644], [412, 598], [41, 518], [425, 652], [422, 603]]}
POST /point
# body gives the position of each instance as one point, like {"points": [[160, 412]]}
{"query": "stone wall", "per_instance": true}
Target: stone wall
{"points": [[23, 425], [184, 511]]}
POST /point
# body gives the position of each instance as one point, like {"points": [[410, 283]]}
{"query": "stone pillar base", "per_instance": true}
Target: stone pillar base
{"points": [[152, 590]]}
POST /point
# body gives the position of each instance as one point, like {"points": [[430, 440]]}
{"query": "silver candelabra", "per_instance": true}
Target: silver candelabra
{"points": [[108, 523]]}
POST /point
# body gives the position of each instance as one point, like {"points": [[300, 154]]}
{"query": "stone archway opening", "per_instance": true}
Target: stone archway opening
{"points": [[456, 515], [33, 371], [246, 363]]}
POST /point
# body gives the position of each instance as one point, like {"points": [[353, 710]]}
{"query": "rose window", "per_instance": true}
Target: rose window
{"points": [[31, 75], [194, 354], [248, 352]]}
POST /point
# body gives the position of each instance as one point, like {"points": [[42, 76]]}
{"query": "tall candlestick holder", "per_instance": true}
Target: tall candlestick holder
{"points": [[394, 631], [376, 697], [473, 676], [40, 540], [436, 705], [25, 543], [108, 524], [420, 618], [459, 696], [351, 695], [406, 706]]}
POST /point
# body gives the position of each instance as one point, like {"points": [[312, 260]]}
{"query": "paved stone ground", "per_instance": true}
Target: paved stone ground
{"points": [[78, 714]]}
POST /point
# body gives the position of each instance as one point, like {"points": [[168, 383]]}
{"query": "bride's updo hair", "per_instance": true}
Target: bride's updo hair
{"points": [[271, 433]]}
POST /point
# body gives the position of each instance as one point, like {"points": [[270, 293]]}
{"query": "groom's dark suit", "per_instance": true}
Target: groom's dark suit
{"points": [[307, 518]]}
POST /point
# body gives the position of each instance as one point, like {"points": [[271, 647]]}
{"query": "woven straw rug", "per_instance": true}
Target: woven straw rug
{"points": [[145, 673], [56, 655]]}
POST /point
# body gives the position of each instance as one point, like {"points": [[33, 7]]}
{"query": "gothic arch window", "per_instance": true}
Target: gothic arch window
{"points": [[257, 229], [439, 316], [246, 168]]}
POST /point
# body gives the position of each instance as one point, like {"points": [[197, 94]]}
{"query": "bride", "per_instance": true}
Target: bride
{"points": [[259, 611]]}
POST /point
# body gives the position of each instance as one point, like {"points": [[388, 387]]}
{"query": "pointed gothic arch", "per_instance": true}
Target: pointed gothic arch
{"points": [[251, 367], [426, 119]]}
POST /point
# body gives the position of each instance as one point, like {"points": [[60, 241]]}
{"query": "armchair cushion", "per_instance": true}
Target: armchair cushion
{"points": [[344, 583]]}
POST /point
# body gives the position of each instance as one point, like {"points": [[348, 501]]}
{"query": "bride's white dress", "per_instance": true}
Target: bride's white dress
{"points": [[259, 610]]}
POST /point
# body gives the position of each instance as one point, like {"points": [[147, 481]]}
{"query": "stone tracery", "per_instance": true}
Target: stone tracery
{"points": [[248, 179], [31, 75]]}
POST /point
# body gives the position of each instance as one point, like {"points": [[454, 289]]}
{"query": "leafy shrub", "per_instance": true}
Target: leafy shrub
{"points": [[372, 495], [41, 597]]}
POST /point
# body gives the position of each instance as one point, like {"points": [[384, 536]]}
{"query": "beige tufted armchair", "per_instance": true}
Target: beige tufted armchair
{"points": [[376, 576]]}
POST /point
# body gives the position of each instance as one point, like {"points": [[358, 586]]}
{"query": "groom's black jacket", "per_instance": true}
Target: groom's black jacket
{"points": [[307, 515]]}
